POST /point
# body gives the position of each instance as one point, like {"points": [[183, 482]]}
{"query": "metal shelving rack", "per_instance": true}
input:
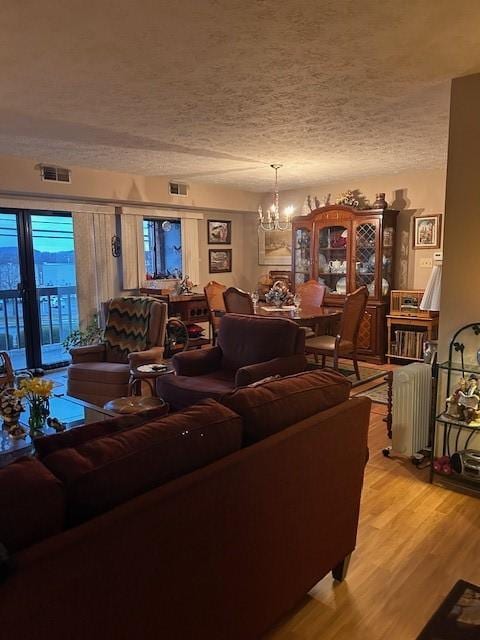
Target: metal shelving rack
{"points": [[448, 434]]}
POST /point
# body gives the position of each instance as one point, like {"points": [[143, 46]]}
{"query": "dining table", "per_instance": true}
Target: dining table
{"points": [[322, 318]]}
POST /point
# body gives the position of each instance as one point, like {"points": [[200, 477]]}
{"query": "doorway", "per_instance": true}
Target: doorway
{"points": [[38, 292]]}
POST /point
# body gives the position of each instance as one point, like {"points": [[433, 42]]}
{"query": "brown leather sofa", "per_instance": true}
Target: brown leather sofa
{"points": [[140, 527], [97, 376], [248, 349]]}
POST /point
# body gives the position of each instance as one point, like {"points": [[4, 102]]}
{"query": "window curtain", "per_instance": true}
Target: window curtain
{"points": [[96, 271], [190, 250], [133, 251]]}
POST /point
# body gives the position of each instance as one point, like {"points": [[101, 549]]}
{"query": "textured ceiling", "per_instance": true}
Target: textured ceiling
{"points": [[216, 90]]}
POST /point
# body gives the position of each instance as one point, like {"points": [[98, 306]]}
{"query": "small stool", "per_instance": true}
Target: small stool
{"points": [[146, 373], [134, 404]]}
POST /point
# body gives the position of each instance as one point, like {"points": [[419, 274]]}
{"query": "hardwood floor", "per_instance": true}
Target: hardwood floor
{"points": [[415, 541]]}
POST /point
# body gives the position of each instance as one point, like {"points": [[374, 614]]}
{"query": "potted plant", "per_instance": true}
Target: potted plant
{"points": [[92, 334]]}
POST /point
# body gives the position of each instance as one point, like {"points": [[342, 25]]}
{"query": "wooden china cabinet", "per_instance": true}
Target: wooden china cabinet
{"points": [[345, 248]]}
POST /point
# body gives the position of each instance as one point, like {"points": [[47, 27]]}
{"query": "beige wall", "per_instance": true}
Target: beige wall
{"points": [[412, 192], [460, 302], [21, 175], [240, 276]]}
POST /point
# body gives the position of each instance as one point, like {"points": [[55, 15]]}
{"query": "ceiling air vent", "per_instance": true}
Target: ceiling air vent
{"points": [[177, 189], [50, 173]]}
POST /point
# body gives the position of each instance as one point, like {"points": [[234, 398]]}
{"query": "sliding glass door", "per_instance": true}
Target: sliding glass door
{"points": [[12, 328], [38, 300]]}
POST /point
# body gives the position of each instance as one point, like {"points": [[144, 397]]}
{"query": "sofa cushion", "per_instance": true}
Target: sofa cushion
{"points": [[74, 437], [277, 404], [32, 504], [183, 391], [105, 472], [104, 372]]}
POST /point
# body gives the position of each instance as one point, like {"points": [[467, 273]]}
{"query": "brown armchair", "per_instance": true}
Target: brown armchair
{"points": [[248, 349], [345, 343], [99, 373]]}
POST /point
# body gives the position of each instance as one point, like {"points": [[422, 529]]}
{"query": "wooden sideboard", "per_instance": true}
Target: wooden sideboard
{"points": [[189, 308]]}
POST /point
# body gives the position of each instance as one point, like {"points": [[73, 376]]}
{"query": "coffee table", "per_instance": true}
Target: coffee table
{"points": [[71, 411]]}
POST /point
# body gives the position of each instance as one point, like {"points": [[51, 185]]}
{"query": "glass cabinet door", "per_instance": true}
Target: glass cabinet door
{"points": [[366, 256], [387, 259], [302, 255], [332, 259]]}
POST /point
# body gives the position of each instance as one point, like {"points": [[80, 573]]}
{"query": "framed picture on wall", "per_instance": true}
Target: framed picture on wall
{"points": [[219, 232], [275, 247], [219, 260], [427, 231]]}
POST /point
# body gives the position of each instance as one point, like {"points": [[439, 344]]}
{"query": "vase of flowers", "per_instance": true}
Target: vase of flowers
{"points": [[279, 294], [10, 409], [36, 392]]}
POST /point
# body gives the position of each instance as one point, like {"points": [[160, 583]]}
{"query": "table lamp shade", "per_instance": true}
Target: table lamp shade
{"points": [[431, 297]]}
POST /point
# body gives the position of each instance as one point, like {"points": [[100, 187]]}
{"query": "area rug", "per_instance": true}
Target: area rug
{"points": [[366, 373], [377, 394], [458, 617]]}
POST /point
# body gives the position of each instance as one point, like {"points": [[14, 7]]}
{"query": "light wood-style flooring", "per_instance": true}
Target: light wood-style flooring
{"points": [[415, 541]]}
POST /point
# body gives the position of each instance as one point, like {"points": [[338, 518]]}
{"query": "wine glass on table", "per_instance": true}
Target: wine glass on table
{"points": [[255, 298], [297, 300]]}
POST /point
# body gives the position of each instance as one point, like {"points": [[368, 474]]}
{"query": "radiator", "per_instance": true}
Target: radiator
{"points": [[411, 406]]}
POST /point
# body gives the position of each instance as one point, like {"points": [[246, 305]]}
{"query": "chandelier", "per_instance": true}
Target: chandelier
{"points": [[272, 222]]}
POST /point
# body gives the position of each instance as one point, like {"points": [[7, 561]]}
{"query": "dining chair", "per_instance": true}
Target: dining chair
{"points": [[311, 293], [344, 344], [238, 301], [214, 296]]}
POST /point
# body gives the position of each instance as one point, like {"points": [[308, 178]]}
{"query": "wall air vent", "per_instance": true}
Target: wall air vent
{"points": [[177, 189], [51, 173]]}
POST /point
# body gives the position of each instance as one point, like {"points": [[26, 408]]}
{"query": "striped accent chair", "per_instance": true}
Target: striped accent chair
{"points": [[134, 335]]}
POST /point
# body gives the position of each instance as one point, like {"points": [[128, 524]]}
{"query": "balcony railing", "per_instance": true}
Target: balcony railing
{"points": [[58, 313]]}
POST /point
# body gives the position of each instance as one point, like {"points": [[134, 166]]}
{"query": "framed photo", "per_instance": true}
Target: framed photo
{"points": [[219, 231], [426, 232], [275, 247], [219, 260]]}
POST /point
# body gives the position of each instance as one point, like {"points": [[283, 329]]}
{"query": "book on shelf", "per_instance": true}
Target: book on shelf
{"points": [[408, 344]]}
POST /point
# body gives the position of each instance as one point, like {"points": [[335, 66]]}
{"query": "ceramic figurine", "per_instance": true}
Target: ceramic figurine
{"points": [[464, 402], [185, 287]]}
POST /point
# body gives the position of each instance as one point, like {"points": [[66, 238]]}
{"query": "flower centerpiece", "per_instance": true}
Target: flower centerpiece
{"points": [[36, 392], [10, 409], [279, 294]]}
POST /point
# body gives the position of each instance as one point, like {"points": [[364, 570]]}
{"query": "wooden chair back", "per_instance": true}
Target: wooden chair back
{"points": [[311, 293], [353, 310], [214, 295], [7, 375], [176, 337], [238, 301]]}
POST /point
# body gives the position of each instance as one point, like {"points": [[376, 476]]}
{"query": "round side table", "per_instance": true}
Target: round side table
{"points": [[134, 404], [146, 373]]}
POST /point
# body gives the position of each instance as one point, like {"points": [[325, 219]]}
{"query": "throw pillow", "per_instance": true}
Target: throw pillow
{"points": [[275, 405]]}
